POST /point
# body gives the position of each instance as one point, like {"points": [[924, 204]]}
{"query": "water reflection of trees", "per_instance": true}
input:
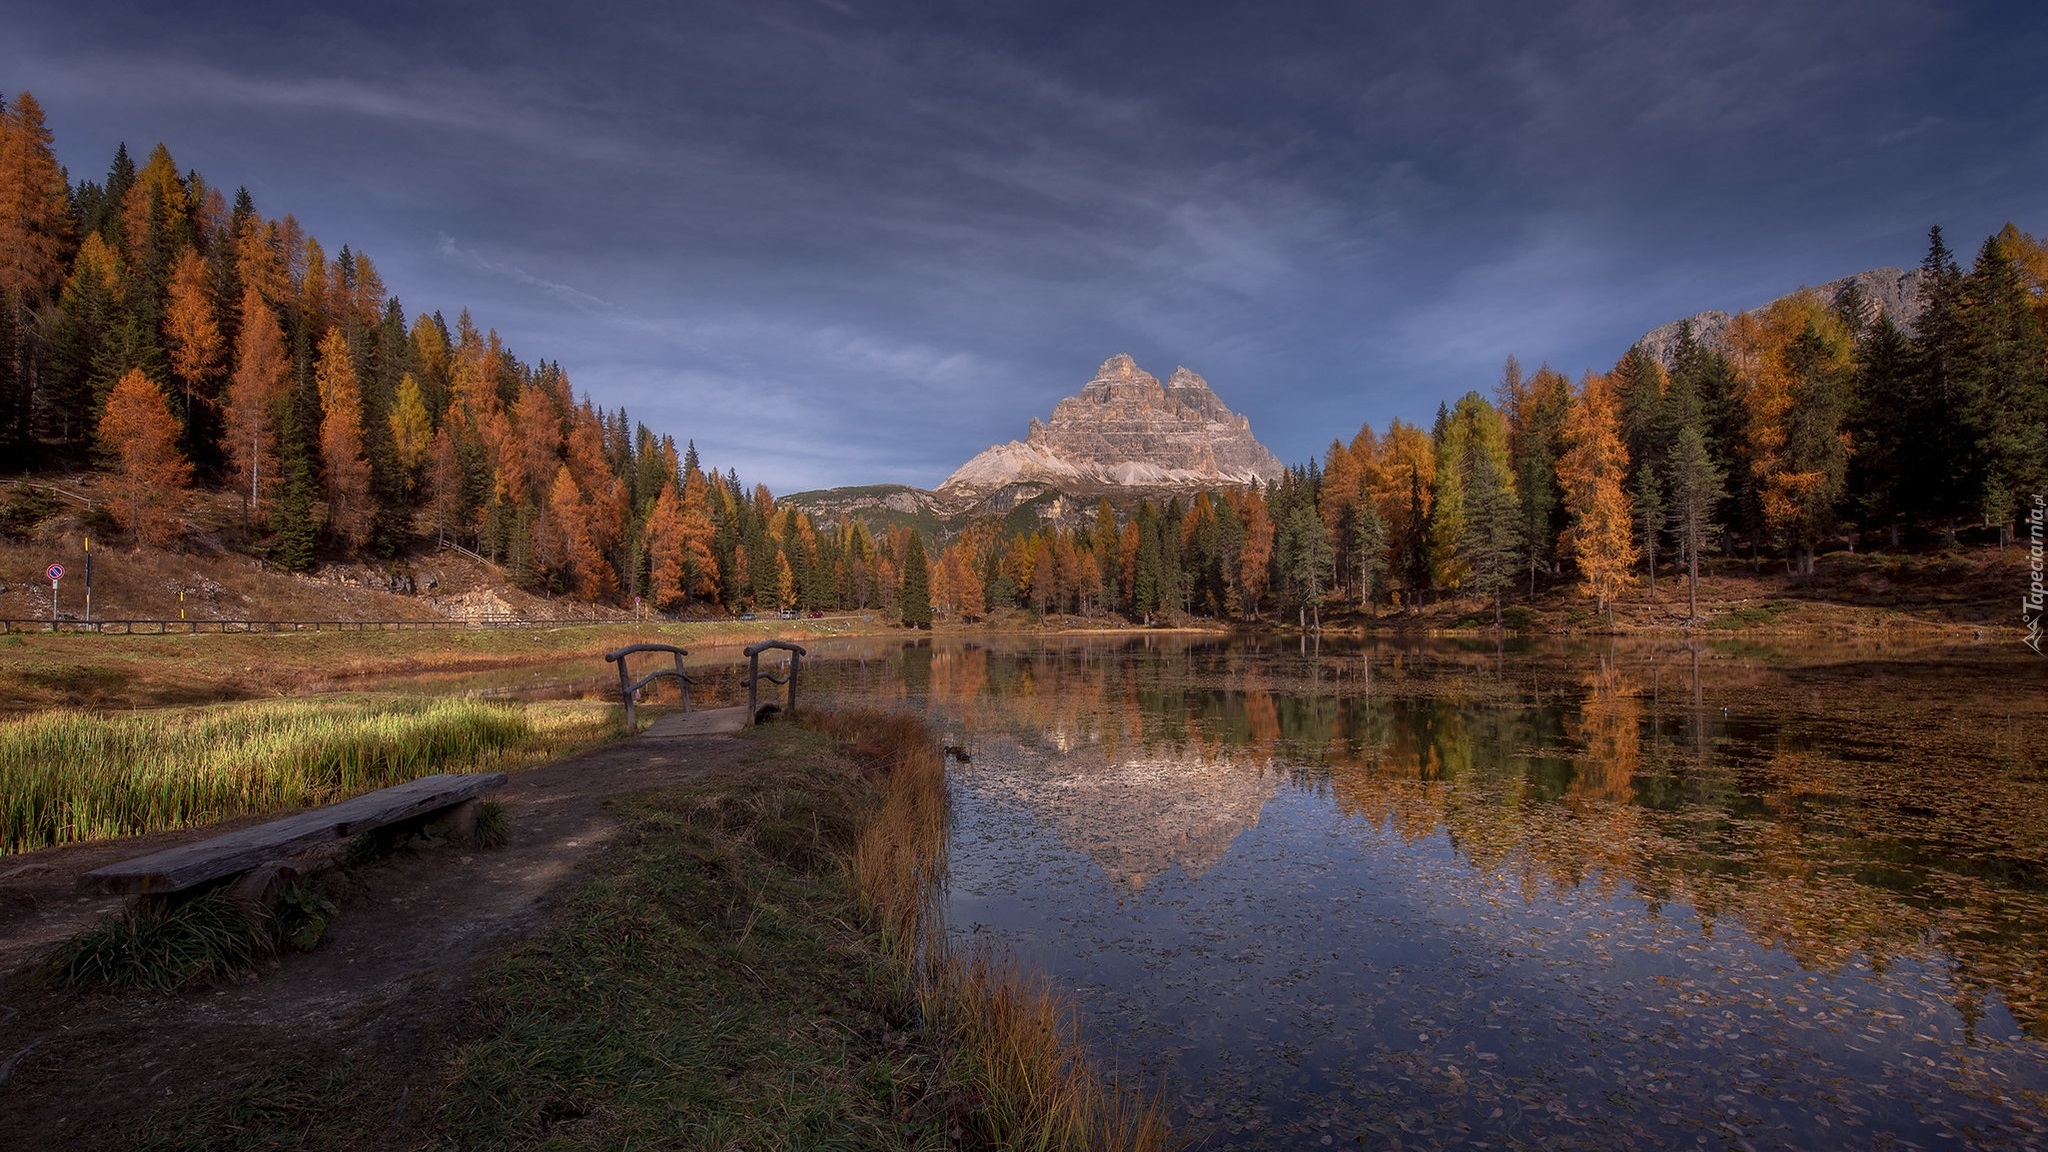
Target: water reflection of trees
{"points": [[1836, 810]]}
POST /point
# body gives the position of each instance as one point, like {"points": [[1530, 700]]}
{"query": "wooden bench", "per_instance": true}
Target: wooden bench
{"points": [[188, 866]]}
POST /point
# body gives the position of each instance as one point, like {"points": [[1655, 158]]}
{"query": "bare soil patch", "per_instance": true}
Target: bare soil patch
{"points": [[387, 984]]}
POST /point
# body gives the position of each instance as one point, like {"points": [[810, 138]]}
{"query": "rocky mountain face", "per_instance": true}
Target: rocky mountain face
{"points": [[1883, 292], [1125, 430]]}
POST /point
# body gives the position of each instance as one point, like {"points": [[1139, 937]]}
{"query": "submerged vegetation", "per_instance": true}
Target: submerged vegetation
{"points": [[69, 777]]}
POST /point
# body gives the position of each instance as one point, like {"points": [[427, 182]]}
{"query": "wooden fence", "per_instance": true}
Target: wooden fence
{"points": [[163, 627]]}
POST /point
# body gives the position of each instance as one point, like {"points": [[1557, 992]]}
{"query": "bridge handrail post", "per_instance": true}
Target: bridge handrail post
{"points": [[755, 675], [630, 688]]}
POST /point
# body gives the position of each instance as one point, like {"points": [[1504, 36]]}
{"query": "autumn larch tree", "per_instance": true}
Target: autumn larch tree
{"points": [[139, 430], [663, 537], [261, 381], [1253, 559], [192, 336], [1591, 472], [349, 510], [35, 235], [412, 431]]}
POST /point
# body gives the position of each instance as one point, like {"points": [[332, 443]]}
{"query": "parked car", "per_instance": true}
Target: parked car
{"points": [[817, 615], [747, 616]]}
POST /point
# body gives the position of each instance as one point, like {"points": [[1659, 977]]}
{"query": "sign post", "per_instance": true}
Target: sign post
{"points": [[55, 572], [88, 579]]}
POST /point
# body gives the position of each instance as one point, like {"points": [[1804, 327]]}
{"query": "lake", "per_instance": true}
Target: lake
{"points": [[1444, 894]]}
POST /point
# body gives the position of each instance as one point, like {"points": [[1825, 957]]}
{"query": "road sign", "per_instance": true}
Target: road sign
{"points": [[55, 572]]}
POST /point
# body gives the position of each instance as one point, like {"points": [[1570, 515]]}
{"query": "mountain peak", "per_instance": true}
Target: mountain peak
{"points": [[1126, 430]]}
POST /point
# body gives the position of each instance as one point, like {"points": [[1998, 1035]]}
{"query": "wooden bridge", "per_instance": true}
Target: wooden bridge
{"points": [[709, 721]]}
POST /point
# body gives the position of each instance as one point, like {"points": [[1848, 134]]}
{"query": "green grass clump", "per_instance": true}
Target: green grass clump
{"points": [[67, 777], [162, 947], [493, 826]]}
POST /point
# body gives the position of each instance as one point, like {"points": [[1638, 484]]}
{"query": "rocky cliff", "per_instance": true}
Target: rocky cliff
{"points": [[1884, 292], [1126, 430]]}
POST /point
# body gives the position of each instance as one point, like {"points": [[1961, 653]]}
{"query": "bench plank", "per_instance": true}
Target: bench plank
{"points": [[187, 865]]}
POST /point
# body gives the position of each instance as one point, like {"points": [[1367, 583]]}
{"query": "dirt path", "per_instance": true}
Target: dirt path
{"points": [[387, 981]]}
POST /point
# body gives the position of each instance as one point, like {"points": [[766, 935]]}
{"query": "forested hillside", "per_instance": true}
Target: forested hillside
{"points": [[165, 331]]}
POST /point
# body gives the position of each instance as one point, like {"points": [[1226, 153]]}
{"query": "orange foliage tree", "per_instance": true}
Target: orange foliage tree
{"points": [[35, 216], [154, 476], [349, 510], [1257, 553], [190, 327], [1592, 471], [262, 376]]}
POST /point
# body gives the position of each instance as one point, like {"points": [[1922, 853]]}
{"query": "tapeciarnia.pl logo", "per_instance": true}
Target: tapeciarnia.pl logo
{"points": [[2031, 603]]}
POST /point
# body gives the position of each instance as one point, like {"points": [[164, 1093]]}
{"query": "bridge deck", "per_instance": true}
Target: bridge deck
{"points": [[709, 722]]}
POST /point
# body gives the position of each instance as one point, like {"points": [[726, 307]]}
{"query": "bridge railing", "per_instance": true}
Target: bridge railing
{"points": [[755, 676], [629, 688]]}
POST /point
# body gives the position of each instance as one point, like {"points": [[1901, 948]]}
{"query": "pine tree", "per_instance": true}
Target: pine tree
{"points": [[1649, 509], [139, 431], [1493, 536], [914, 603], [1371, 555], [1938, 462], [1695, 493], [2001, 372]]}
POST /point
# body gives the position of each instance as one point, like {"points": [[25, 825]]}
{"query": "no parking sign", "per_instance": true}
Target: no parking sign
{"points": [[55, 573]]}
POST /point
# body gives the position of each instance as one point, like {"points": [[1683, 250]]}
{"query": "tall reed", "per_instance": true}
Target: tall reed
{"points": [[66, 777], [1011, 1036]]}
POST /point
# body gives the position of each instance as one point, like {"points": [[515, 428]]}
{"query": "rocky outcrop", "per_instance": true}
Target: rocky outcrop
{"points": [[1126, 430], [1882, 292]]}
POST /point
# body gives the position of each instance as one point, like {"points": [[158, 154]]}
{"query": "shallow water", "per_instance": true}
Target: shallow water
{"points": [[1453, 895]]}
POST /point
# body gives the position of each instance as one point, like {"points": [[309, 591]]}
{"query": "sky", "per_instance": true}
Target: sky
{"points": [[841, 242]]}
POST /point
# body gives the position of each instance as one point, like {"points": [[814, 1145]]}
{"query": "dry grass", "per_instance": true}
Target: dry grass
{"points": [[1013, 1041]]}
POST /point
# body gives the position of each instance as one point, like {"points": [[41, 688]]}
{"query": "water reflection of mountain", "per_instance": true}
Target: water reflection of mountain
{"points": [[1838, 806], [1137, 816]]}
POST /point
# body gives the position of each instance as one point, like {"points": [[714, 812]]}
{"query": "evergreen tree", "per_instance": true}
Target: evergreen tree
{"points": [[915, 602], [2001, 372], [1937, 471], [1695, 493], [1649, 507], [1878, 424], [1493, 536], [1371, 555]]}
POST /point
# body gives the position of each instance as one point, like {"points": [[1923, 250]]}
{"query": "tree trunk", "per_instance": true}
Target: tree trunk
{"points": [[1692, 582]]}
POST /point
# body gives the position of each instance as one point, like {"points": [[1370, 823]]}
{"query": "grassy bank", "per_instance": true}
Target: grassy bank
{"points": [[764, 969], [67, 777], [757, 965]]}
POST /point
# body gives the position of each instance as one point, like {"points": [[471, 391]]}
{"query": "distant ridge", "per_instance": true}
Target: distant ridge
{"points": [[1890, 292]]}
